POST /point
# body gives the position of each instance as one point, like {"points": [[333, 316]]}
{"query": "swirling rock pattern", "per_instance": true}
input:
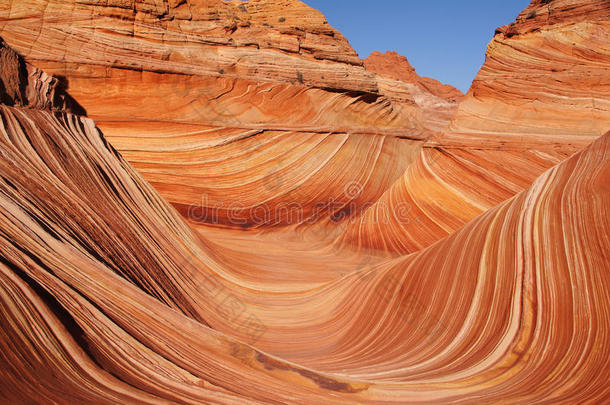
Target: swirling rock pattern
{"points": [[118, 304], [183, 89], [92, 308], [418, 267], [542, 95], [209, 140]]}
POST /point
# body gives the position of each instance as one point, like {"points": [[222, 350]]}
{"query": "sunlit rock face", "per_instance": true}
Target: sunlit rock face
{"points": [[265, 63], [213, 62], [542, 95], [435, 102], [262, 98], [213, 215], [236, 129], [546, 79], [397, 67], [108, 296]]}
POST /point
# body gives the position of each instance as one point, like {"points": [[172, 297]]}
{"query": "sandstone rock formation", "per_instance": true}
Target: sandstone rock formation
{"points": [[398, 80], [208, 140], [542, 95], [253, 240], [546, 79], [125, 304], [177, 87], [397, 67], [23, 85], [194, 49]]}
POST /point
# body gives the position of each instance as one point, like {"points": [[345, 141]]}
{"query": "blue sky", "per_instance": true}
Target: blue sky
{"points": [[443, 39]]}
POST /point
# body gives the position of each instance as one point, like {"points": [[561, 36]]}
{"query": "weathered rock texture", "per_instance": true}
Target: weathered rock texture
{"points": [[184, 89], [240, 150], [193, 37], [213, 56], [546, 78], [23, 85], [542, 95], [317, 242], [396, 78], [397, 67], [222, 146], [108, 296]]}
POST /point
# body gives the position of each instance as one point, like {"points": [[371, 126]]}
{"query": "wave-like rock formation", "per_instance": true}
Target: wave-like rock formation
{"points": [[268, 235], [259, 102], [240, 147], [542, 95], [109, 297]]}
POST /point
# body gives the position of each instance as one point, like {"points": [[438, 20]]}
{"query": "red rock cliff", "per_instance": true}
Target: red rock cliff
{"points": [[546, 78], [436, 102], [397, 67]]}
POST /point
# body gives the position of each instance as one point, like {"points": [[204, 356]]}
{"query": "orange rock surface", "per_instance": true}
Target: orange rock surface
{"points": [[196, 91], [546, 79], [236, 58], [542, 95], [396, 78], [397, 67], [255, 239], [125, 304]]}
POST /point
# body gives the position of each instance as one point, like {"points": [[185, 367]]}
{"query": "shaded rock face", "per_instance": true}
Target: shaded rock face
{"points": [[13, 77], [23, 85]]}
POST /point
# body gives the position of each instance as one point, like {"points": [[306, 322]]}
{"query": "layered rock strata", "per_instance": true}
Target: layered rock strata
{"points": [[108, 296]]}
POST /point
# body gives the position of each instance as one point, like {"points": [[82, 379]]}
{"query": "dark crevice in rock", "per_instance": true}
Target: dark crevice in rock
{"points": [[22, 85]]}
